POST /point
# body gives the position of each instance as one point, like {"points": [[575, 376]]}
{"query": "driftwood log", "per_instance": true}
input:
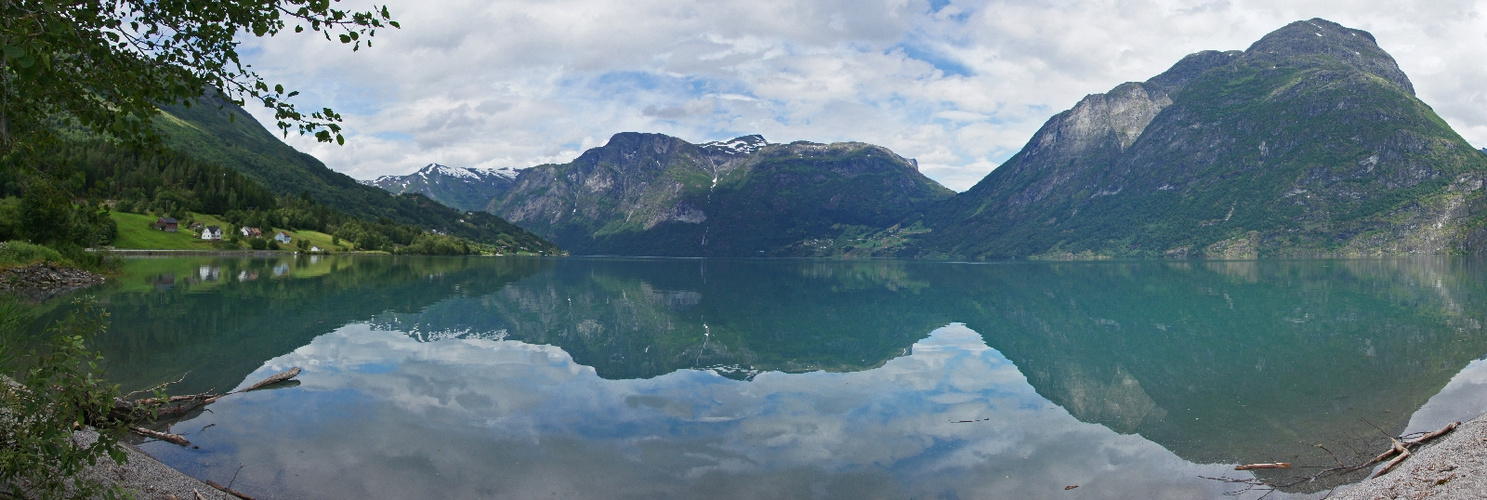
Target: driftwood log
{"points": [[227, 490], [155, 408], [1402, 449], [1399, 451], [274, 379], [163, 436]]}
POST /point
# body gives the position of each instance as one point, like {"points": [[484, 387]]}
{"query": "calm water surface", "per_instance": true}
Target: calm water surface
{"points": [[592, 378]]}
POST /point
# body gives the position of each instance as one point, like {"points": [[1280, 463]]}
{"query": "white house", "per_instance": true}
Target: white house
{"points": [[282, 238], [211, 233]]}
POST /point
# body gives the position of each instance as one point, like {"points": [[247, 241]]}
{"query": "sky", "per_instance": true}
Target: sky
{"points": [[958, 85]]}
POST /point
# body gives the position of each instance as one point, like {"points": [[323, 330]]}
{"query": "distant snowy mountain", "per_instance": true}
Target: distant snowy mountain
{"points": [[463, 188]]}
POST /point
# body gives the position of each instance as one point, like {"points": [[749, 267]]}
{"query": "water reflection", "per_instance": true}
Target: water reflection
{"points": [[1219, 363], [380, 415]]}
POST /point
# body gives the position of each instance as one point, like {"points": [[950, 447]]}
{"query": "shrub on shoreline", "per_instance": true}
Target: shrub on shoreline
{"points": [[20, 253]]}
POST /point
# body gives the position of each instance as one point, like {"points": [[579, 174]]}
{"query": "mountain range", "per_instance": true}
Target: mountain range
{"points": [[1311, 142], [461, 188], [652, 194]]}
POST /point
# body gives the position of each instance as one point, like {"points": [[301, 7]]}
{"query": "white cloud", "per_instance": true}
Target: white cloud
{"points": [[523, 82]]}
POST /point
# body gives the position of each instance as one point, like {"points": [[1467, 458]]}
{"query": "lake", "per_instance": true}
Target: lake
{"points": [[680, 378]]}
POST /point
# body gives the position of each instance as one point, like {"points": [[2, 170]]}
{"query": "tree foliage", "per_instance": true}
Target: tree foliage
{"points": [[107, 65], [47, 391]]}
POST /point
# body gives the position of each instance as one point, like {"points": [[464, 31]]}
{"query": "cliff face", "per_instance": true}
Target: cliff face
{"points": [[651, 194], [1310, 142]]}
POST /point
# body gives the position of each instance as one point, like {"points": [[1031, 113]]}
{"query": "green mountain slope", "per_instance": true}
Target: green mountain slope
{"points": [[651, 194], [220, 132], [1310, 142]]}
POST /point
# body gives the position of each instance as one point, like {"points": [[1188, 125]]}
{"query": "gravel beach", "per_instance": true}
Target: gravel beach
{"points": [[147, 478], [1454, 467]]}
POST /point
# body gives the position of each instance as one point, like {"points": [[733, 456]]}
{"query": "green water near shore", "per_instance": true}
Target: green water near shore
{"points": [[453, 377]]}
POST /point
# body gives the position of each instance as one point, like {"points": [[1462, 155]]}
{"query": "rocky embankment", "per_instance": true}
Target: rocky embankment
{"points": [[43, 281]]}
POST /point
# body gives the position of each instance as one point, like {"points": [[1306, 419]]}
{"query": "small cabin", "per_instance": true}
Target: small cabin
{"points": [[211, 233], [250, 232], [167, 224], [282, 238]]}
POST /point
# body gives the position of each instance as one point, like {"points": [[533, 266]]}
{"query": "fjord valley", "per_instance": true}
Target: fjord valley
{"points": [[1311, 142], [1243, 277]]}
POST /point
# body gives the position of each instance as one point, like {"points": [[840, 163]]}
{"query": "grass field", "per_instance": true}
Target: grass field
{"points": [[319, 239], [137, 232]]}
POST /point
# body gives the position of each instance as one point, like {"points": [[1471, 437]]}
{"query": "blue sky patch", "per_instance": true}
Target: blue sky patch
{"points": [[943, 63]]}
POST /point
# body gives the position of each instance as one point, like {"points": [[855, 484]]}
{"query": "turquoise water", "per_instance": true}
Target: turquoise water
{"points": [[616, 378]]}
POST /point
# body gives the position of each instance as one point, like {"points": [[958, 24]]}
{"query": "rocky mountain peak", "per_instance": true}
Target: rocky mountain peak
{"points": [[1309, 142], [1189, 68], [1317, 41], [624, 147]]}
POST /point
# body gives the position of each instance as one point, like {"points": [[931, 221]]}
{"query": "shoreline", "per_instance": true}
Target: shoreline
{"points": [[45, 280], [1452, 467], [222, 253], [144, 476]]}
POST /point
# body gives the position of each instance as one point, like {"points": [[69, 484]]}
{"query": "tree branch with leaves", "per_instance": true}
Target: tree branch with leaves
{"points": [[105, 65]]}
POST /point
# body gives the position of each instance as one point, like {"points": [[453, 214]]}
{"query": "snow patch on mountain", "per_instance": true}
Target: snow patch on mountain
{"points": [[447, 171], [737, 146], [433, 170]]}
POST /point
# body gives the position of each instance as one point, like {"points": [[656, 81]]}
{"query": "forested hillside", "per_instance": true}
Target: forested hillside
{"points": [[219, 132]]}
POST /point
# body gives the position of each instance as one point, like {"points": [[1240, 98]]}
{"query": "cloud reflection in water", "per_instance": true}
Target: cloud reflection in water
{"points": [[380, 415]]}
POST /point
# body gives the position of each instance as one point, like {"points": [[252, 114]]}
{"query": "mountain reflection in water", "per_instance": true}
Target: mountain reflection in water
{"points": [[595, 377], [380, 415]]}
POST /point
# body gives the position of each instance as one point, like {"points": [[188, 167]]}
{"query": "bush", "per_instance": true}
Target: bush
{"points": [[434, 244], [124, 206], [51, 388], [20, 253]]}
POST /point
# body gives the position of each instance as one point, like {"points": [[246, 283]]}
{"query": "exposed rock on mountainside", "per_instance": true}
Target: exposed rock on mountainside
{"points": [[651, 194], [467, 189], [1311, 142]]}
